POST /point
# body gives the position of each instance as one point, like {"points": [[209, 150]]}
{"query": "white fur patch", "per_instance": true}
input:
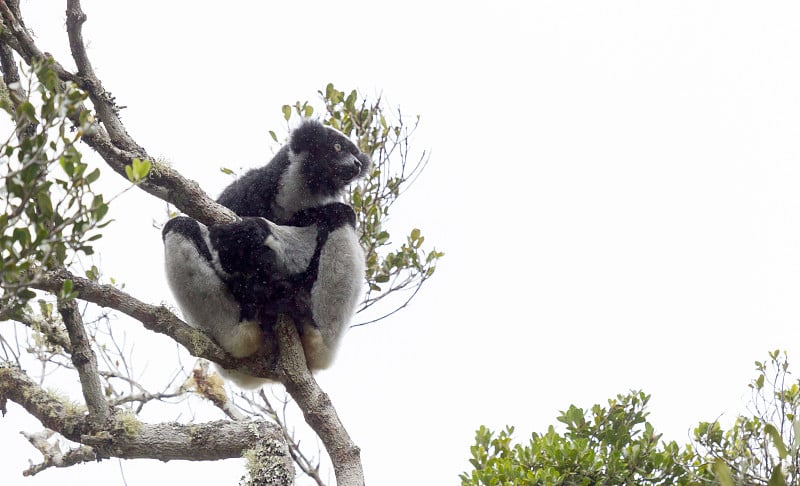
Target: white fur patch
{"points": [[334, 296], [204, 298]]}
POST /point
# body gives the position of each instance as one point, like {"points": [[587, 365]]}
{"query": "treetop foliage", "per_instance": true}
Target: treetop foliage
{"points": [[615, 444]]}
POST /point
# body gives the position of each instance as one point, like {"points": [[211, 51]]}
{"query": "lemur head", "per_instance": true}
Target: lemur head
{"points": [[330, 160]]}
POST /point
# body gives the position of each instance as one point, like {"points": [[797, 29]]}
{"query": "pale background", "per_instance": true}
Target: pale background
{"points": [[616, 186]]}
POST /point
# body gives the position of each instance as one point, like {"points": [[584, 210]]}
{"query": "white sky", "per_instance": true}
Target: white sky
{"points": [[615, 185]]}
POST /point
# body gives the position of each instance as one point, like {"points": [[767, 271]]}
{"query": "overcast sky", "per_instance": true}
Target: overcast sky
{"points": [[615, 185]]}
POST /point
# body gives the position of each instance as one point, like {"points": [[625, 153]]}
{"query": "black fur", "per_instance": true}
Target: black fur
{"points": [[187, 227], [260, 289], [325, 172], [327, 218], [252, 278]]}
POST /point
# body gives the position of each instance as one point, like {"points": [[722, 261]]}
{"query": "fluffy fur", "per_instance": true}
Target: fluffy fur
{"points": [[304, 259], [232, 280], [310, 171]]}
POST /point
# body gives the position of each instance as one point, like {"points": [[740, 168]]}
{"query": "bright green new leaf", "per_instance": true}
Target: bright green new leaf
{"points": [[66, 287]]}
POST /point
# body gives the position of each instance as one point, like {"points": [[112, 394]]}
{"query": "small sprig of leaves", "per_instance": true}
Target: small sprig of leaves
{"points": [[138, 170], [50, 212]]}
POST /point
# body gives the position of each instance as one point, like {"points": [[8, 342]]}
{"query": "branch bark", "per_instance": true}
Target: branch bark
{"points": [[109, 139], [316, 405], [85, 363]]}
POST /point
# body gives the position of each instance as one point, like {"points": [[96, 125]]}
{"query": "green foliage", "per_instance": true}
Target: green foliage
{"points": [[137, 171], [615, 445], [50, 212], [762, 448], [605, 445], [391, 267]]}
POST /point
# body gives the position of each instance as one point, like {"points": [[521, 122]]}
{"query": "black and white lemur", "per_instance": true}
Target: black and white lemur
{"points": [[295, 251]]}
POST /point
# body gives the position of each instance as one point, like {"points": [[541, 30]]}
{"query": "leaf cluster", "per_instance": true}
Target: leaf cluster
{"points": [[50, 212], [761, 448], [613, 444]]}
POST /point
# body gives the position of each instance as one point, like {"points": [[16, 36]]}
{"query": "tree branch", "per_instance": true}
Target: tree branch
{"points": [[316, 405], [112, 143], [125, 437], [85, 363], [52, 454], [101, 99]]}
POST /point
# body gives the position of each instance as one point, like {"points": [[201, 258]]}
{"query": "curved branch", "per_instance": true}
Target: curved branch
{"points": [[110, 140]]}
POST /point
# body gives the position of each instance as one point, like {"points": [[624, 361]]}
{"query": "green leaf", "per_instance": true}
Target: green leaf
{"points": [[272, 134], [66, 287], [22, 236], [27, 109], [777, 440], [45, 204], [776, 478], [26, 294], [287, 112], [92, 176], [722, 472]]}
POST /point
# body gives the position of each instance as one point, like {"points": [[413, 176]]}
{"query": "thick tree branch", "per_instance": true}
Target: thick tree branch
{"points": [[125, 437], [85, 363], [52, 411], [316, 406]]}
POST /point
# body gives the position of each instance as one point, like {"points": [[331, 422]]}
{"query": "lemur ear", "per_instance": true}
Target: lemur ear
{"points": [[308, 135]]}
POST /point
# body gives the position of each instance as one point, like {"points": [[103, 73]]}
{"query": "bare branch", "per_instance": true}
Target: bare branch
{"points": [[52, 454], [85, 363], [316, 405]]}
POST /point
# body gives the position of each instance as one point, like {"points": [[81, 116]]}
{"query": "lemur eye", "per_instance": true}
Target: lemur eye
{"points": [[337, 147]]}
